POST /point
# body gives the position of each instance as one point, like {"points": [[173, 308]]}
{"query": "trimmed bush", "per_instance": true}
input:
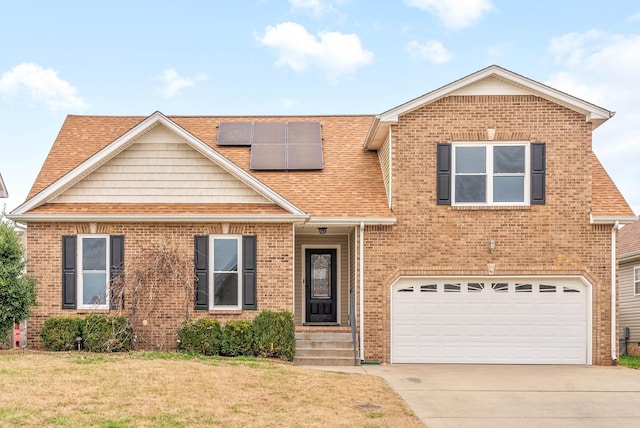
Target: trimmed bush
{"points": [[102, 333], [237, 338], [202, 336], [59, 333], [274, 335]]}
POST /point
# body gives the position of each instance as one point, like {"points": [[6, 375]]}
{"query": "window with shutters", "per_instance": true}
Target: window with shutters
{"points": [[636, 281], [225, 272], [225, 281], [490, 173], [93, 271]]}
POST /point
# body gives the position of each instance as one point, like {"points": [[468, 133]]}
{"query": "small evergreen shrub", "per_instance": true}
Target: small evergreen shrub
{"points": [[103, 333], [60, 333], [202, 336], [237, 338], [274, 335]]}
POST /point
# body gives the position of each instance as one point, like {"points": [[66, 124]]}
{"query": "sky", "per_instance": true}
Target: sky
{"points": [[302, 57]]}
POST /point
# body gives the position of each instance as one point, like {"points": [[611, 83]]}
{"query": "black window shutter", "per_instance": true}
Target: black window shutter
{"points": [[538, 170], [249, 254], [443, 185], [69, 272], [201, 266], [117, 272]]}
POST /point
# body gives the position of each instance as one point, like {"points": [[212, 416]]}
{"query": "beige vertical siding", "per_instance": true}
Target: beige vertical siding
{"points": [[160, 168], [629, 303], [309, 241], [385, 163]]}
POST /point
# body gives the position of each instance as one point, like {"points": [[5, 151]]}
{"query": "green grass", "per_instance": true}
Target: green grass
{"points": [[629, 361]]}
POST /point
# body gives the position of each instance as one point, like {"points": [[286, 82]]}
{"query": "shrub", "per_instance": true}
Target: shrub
{"points": [[201, 336], [237, 338], [59, 333], [274, 335], [102, 333]]}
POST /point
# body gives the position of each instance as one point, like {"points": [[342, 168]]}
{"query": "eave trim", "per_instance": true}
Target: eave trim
{"points": [[594, 219]]}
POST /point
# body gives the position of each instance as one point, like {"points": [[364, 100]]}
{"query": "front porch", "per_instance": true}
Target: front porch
{"points": [[324, 295]]}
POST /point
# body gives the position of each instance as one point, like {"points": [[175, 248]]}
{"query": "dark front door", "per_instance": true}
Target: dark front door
{"points": [[320, 285]]}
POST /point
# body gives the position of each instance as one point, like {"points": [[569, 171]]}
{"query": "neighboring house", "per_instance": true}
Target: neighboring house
{"points": [[3, 189], [629, 285], [473, 224]]}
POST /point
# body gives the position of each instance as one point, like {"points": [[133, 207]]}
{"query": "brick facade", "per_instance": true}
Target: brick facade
{"points": [[552, 239], [274, 271]]}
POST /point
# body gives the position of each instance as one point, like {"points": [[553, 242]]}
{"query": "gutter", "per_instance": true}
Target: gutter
{"points": [[159, 218], [611, 219], [362, 291], [614, 351]]}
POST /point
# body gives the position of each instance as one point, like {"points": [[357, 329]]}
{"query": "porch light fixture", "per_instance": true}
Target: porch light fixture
{"points": [[492, 246], [322, 230]]}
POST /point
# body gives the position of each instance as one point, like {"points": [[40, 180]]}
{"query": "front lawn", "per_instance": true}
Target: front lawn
{"points": [[81, 389], [629, 361]]}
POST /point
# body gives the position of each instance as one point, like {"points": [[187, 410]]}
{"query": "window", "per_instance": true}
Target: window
{"points": [[93, 273], [490, 174], [225, 270], [226, 281], [636, 281], [90, 265]]}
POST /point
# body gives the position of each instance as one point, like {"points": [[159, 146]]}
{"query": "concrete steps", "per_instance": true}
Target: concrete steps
{"points": [[324, 348]]}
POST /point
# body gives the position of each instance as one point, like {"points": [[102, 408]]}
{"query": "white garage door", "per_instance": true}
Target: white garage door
{"points": [[492, 321]]}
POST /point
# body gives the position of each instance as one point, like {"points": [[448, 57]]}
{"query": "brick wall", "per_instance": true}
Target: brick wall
{"points": [[552, 239], [274, 273]]}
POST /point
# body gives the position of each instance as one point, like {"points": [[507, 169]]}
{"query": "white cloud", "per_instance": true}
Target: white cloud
{"points": [[602, 68], [454, 14], [431, 50], [316, 8], [173, 83], [43, 85], [334, 54], [635, 17]]}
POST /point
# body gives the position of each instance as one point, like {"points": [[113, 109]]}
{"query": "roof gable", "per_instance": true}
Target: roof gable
{"points": [[159, 167], [3, 189], [492, 80], [70, 178]]}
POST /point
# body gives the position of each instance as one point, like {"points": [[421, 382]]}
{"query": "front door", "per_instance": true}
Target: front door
{"points": [[320, 285]]}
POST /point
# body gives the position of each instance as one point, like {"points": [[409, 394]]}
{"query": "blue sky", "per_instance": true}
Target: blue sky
{"points": [[301, 57]]}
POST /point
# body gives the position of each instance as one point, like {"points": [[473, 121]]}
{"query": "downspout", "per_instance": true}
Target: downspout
{"points": [[614, 351], [361, 291]]}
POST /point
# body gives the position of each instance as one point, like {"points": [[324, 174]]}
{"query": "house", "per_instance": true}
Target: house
{"points": [[3, 189], [473, 224], [628, 247]]}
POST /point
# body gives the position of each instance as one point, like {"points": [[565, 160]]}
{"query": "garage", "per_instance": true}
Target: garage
{"points": [[490, 321]]}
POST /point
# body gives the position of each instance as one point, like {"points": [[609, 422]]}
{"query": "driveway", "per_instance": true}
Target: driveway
{"points": [[515, 396]]}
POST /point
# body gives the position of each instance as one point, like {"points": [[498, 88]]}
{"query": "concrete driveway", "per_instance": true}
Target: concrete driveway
{"points": [[515, 396]]}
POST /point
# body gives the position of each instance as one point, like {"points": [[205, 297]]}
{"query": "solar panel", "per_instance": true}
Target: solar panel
{"points": [[234, 134], [269, 133], [304, 133], [268, 157], [304, 156], [286, 146]]}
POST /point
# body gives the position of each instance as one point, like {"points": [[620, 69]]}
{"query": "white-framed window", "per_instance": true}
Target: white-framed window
{"points": [[225, 282], [636, 281], [496, 173], [93, 271]]}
